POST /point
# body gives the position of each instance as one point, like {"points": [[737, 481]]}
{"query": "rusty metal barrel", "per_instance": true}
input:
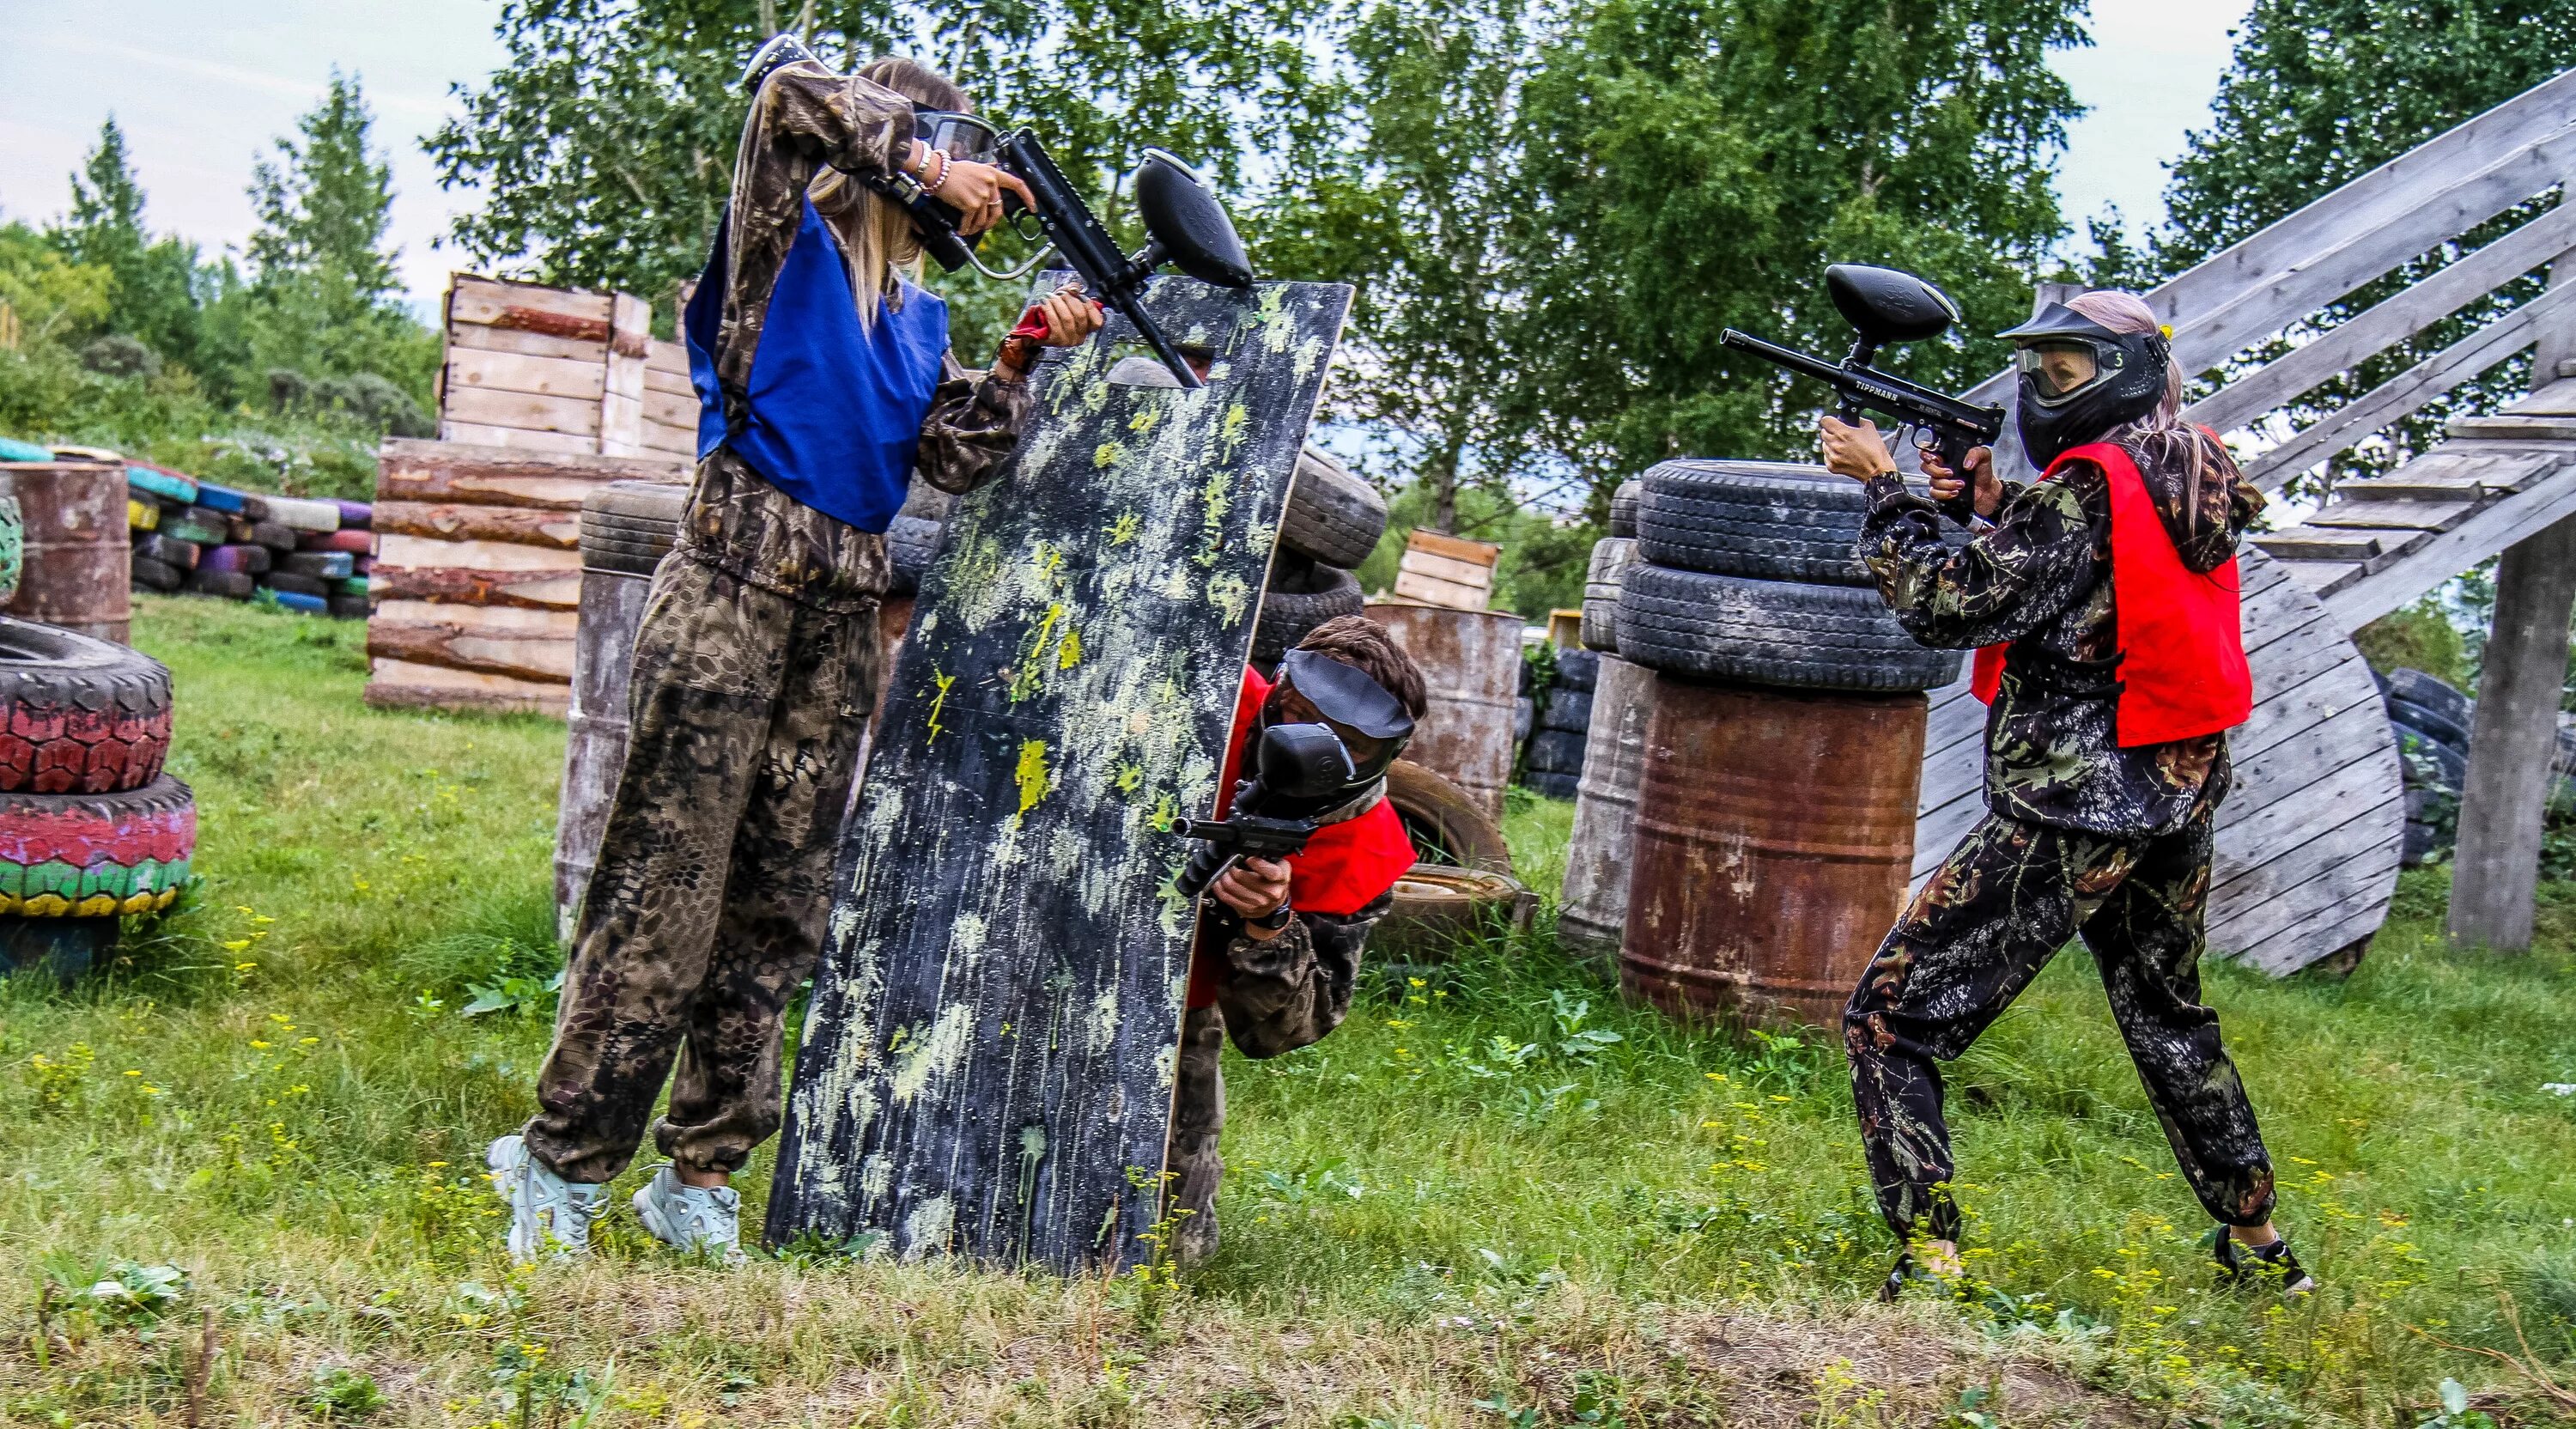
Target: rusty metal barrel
{"points": [[1471, 662], [77, 563], [1774, 833], [1598, 852], [622, 525]]}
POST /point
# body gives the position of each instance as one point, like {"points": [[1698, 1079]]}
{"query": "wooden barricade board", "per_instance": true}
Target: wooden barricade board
{"points": [[1440, 569], [561, 370], [988, 1061]]}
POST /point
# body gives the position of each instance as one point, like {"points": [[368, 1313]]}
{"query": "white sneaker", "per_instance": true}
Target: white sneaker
{"points": [[693, 1220], [547, 1212]]}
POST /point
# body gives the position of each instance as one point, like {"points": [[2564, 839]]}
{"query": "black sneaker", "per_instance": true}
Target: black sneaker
{"points": [[2240, 1264]]}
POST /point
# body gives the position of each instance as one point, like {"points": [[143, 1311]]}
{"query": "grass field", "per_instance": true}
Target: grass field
{"points": [[1496, 1198]]}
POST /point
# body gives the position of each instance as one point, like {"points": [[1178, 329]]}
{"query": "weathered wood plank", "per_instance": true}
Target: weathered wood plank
{"points": [[479, 434], [2310, 543], [515, 372], [673, 384], [2401, 316], [989, 1056], [519, 525], [457, 646], [521, 411], [2553, 399], [493, 620], [2379, 513], [403, 684], [2316, 888], [531, 307], [2320, 578], [2437, 558], [395, 550], [2512, 743], [470, 337], [452, 473], [2403, 395], [672, 410], [535, 590]]}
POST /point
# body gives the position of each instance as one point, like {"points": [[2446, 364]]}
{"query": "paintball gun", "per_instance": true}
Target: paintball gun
{"points": [[1885, 306], [1300, 764], [1185, 226]]}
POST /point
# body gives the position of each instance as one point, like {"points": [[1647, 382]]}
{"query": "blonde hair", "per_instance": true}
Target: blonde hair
{"points": [[876, 235], [2161, 436]]}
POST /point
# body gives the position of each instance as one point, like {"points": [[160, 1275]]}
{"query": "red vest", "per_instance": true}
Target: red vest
{"points": [[2182, 644], [1342, 869]]}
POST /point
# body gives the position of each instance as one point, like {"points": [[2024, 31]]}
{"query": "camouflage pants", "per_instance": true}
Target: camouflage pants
{"points": [[1198, 1116], [706, 909], [1983, 926]]}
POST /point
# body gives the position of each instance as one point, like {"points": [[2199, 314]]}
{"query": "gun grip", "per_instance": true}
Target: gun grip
{"points": [[1961, 508]]}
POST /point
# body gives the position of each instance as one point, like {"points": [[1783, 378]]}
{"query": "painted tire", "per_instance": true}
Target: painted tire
{"points": [[322, 565], [247, 559], [302, 604], [141, 515], [272, 535], [13, 547], [178, 555], [304, 514], [196, 523], [95, 855], [223, 499], [354, 543], [78, 715], [225, 585], [161, 482], [295, 583], [355, 515]]}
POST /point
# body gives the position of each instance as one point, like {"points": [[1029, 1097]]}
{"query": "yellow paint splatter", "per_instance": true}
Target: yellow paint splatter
{"points": [[1124, 529], [1230, 596], [1032, 669], [1144, 421], [1230, 431], [1069, 654], [1108, 454], [938, 702], [1033, 777], [1129, 776]]}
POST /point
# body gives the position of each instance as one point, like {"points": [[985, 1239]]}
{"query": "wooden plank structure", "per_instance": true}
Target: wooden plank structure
{"points": [[988, 1063], [478, 575], [561, 370], [2498, 483], [1444, 570]]}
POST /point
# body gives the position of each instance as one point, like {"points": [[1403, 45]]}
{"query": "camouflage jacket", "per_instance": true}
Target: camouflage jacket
{"points": [[1287, 992], [2038, 579], [805, 118]]}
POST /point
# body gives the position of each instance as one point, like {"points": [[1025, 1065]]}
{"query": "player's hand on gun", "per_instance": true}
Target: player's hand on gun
{"points": [[974, 190], [1255, 888], [1947, 484], [1066, 317]]}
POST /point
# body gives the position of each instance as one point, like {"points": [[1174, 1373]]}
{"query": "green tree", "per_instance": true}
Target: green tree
{"points": [[1417, 215], [322, 298], [2322, 91], [1692, 165], [152, 286], [605, 144]]}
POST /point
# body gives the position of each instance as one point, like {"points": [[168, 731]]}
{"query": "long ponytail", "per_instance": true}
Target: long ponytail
{"points": [[2162, 437]]}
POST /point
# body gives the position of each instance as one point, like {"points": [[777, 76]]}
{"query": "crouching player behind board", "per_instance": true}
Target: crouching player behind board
{"points": [[1279, 939], [2102, 603], [826, 382]]}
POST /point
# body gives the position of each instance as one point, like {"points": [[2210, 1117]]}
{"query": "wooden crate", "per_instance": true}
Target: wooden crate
{"points": [[1443, 570], [477, 577], [561, 370]]}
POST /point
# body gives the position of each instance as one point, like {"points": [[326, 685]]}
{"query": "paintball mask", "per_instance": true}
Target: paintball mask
{"points": [[2080, 380], [1345, 695]]}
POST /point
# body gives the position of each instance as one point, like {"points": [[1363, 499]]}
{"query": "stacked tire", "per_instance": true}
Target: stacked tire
{"points": [[199, 538], [1553, 759], [1749, 572], [2432, 721], [91, 826]]}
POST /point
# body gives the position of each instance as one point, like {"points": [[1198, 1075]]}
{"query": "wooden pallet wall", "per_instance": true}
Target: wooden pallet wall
{"points": [[477, 581], [561, 370]]}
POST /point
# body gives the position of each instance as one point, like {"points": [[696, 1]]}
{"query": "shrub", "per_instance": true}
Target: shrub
{"points": [[117, 355]]}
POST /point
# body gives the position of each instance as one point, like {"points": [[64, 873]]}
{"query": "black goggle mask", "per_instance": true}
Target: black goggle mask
{"points": [[1345, 695], [2081, 380]]}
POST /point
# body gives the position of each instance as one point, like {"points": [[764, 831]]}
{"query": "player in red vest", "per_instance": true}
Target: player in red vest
{"points": [[2102, 602], [1279, 940]]}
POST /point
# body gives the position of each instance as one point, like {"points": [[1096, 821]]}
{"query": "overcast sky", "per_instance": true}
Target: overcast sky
{"points": [[203, 86]]}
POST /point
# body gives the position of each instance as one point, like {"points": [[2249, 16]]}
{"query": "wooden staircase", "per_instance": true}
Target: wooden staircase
{"points": [[2308, 843], [2382, 542]]}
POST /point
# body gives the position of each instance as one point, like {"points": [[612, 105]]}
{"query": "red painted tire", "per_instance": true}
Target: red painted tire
{"points": [[356, 543], [96, 855], [78, 715]]}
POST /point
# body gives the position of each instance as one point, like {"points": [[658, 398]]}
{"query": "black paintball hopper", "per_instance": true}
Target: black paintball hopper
{"points": [[1884, 305], [1187, 226]]}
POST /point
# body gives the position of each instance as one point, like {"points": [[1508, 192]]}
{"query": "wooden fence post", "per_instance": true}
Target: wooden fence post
{"points": [[2512, 748]]}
